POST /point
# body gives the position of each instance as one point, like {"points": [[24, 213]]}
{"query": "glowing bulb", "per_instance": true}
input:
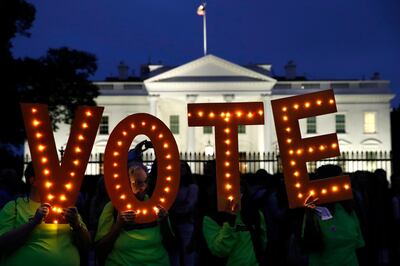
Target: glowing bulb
{"points": [[227, 175], [346, 187], [288, 129], [200, 113], [227, 164], [307, 104], [50, 197], [227, 141], [169, 167], [284, 109], [168, 156], [34, 110], [189, 114], [228, 153], [88, 113], [169, 179], [292, 163], [41, 147], [230, 198], [153, 127], [285, 118], [334, 188], [72, 174], [144, 212], [250, 115], [227, 130], [77, 149], [296, 106], [334, 145], [226, 119], [228, 186], [39, 135], [124, 133], [156, 210], [310, 149], [115, 164], [84, 125], [299, 151], [36, 123], [299, 195], [239, 113], [116, 153], [162, 199], [260, 112], [68, 186], [212, 115], [55, 222], [44, 160], [46, 171], [312, 192], [63, 198], [129, 206], [319, 102], [291, 151], [321, 148], [298, 185], [165, 145], [117, 186], [143, 123], [119, 143], [160, 136], [166, 189], [289, 141], [228, 114], [48, 184], [296, 173], [80, 137], [122, 196], [76, 162], [331, 101], [222, 114], [323, 191]]}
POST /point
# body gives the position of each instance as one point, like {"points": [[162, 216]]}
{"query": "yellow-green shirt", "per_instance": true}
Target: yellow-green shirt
{"points": [[229, 242], [134, 247], [48, 244]]}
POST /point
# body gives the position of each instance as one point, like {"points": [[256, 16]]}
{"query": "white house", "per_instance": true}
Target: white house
{"points": [[362, 121]]}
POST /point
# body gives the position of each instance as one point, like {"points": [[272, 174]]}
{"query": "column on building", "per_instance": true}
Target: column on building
{"points": [[153, 103], [191, 132], [266, 131]]}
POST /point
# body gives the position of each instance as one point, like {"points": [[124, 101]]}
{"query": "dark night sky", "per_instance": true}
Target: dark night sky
{"points": [[339, 39]]}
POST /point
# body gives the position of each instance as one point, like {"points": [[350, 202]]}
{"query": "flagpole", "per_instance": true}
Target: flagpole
{"points": [[205, 33]]}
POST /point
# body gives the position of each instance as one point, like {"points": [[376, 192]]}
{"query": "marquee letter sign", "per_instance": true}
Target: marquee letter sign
{"points": [[226, 117], [116, 166], [296, 151], [59, 184]]}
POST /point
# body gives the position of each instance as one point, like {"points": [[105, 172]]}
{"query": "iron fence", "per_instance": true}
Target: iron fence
{"points": [[270, 161]]}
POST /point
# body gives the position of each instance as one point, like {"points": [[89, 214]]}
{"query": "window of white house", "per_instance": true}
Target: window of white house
{"points": [[369, 122], [242, 129], [207, 130], [340, 123], [311, 125], [103, 128], [174, 124]]}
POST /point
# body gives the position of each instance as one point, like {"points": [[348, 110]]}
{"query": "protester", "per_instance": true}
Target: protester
{"points": [[121, 241], [332, 232], [239, 238], [26, 240]]}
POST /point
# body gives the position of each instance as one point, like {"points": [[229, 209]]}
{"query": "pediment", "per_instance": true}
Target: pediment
{"points": [[371, 141], [210, 68]]}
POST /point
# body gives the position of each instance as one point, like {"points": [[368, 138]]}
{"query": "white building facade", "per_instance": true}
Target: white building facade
{"points": [[362, 122]]}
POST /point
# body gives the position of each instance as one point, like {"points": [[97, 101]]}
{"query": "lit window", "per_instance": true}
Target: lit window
{"points": [[174, 124], [369, 122], [207, 130], [311, 125], [242, 129], [103, 129], [340, 124]]}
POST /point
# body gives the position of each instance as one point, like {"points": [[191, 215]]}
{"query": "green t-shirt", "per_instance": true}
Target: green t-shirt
{"points": [[232, 243], [341, 236], [48, 244], [133, 247]]}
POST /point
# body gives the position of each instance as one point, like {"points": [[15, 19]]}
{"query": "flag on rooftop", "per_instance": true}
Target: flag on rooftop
{"points": [[201, 10]]}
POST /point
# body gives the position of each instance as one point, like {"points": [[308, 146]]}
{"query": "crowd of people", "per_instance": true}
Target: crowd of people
{"points": [[361, 231]]}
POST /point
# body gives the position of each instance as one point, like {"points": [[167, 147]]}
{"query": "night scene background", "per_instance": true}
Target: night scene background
{"points": [[326, 39]]}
